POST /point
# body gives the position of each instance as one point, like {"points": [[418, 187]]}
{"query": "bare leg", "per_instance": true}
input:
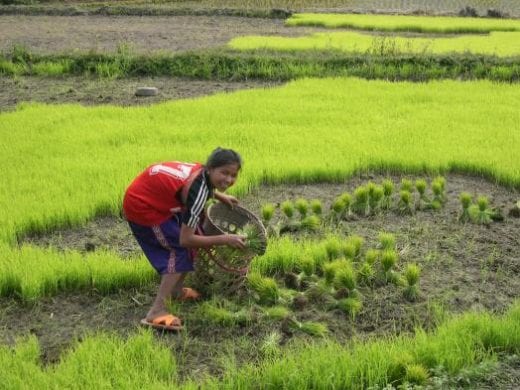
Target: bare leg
{"points": [[171, 285]]}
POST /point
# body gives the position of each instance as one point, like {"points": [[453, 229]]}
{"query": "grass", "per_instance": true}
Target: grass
{"points": [[407, 23], [501, 44], [64, 170], [383, 61], [103, 360]]}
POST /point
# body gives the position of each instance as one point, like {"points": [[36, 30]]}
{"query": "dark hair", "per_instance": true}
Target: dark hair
{"points": [[220, 157]]}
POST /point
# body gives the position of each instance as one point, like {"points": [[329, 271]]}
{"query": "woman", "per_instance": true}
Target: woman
{"points": [[164, 206]]}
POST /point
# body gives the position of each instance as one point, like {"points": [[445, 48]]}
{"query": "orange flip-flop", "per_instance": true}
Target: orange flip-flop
{"points": [[164, 322], [189, 294]]}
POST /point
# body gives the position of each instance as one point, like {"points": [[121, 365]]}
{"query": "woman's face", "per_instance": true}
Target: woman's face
{"points": [[223, 177]]}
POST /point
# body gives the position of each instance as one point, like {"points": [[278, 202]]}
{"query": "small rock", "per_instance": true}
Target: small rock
{"points": [[146, 91], [90, 247]]}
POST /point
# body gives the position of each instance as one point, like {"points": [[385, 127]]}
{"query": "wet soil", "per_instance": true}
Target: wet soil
{"points": [[464, 266], [121, 92], [143, 34]]}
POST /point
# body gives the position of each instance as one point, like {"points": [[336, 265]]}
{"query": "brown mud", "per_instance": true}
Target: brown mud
{"points": [[92, 91], [464, 267], [58, 34]]}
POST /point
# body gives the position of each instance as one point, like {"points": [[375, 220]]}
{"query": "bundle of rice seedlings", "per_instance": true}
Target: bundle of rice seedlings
{"points": [[466, 201], [302, 206], [254, 240], [345, 277], [375, 198], [347, 203], [316, 329], [484, 214], [360, 204], [316, 207], [407, 185], [270, 347], [320, 293], [372, 255], [439, 190], [333, 248], [420, 186], [405, 205], [219, 315], [388, 259], [349, 250], [351, 306], [411, 276], [264, 290], [330, 269], [287, 208], [388, 190], [386, 240], [416, 375], [307, 265], [366, 274], [310, 222], [276, 312], [267, 212], [357, 242], [338, 208]]}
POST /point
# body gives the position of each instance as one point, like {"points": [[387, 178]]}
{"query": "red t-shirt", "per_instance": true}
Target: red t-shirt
{"points": [[155, 195]]}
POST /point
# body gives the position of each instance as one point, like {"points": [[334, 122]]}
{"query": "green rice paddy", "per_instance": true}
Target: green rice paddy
{"points": [[501, 44], [430, 24]]}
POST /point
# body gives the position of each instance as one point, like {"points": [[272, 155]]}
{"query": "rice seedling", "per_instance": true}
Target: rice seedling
{"points": [[276, 312], [333, 248], [346, 198], [351, 306], [307, 265], [270, 347], [320, 293], [388, 190], [330, 269], [405, 202], [287, 208], [349, 250], [484, 213], [264, 290], [360, 204], [316, 329], [357, 242], [416, 375], [302, 206], [388, 261], [253, 237], [466, 200], [407, 185], [439, 190], [412, 274], [218, 314], [338, 208], [375, 198], [372, 255], [316, 207], [345, 277], [366, 274], [386, 241], [310, 222], [268, 212], [424, 201]]}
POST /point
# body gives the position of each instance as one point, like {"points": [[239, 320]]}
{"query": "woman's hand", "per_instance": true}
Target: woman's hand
{"points": [[235, 241], [230, 200]]}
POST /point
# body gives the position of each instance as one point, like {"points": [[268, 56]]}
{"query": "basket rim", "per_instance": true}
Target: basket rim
{"points": [[242, 209]]}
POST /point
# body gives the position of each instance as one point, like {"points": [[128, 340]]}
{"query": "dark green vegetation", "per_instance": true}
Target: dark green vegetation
{"points": [[262, 65]]}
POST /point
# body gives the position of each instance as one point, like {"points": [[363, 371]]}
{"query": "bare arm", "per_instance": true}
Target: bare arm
{"points": [[230, 200], [189, 239]]}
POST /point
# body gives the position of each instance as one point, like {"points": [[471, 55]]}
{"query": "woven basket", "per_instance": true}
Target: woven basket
{"points": [[214, 273]]}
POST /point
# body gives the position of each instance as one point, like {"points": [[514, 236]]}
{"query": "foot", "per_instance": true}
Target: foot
{"points": [[163, 322], [187, 294]]}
